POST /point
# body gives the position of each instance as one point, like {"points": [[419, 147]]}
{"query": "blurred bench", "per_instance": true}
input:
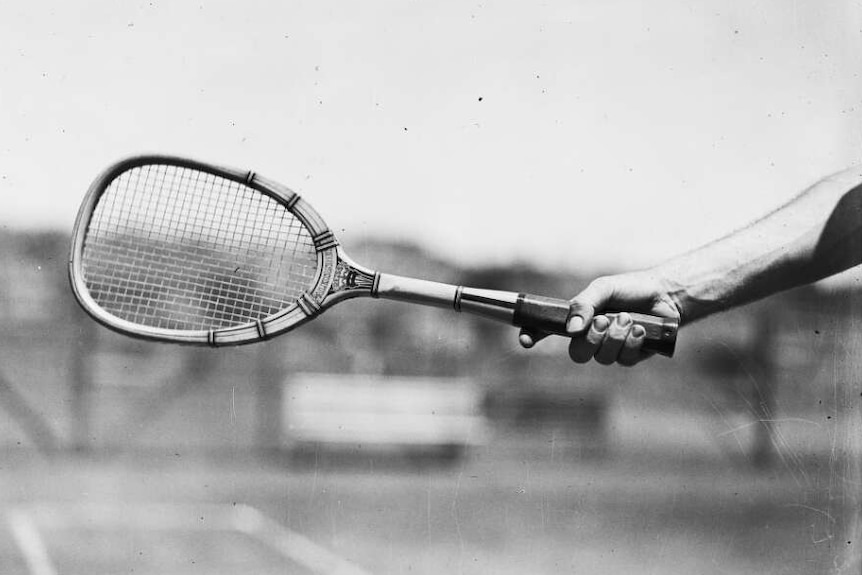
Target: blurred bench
{"points": [[374, 414]]}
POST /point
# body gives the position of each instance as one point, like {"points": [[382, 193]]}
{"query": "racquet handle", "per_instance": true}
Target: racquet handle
{"points": [[533, 312], [544, 314]]}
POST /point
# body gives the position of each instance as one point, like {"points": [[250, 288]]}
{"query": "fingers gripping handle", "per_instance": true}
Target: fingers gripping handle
{"points": [[549, 315]]}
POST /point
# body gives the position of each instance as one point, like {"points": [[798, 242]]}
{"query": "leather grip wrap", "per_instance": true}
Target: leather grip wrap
{"points": [[544, 314]]}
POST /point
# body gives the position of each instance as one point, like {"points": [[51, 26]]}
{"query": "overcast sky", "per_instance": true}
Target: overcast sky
{"points": [[598, 133]]}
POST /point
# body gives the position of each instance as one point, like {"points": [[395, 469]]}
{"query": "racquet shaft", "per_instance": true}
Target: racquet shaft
{"points": [[539, 313]]}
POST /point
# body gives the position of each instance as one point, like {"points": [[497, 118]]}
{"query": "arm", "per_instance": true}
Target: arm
{"points": [[817, 234]]}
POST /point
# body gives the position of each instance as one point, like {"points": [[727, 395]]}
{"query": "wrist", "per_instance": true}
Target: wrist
{"points": [[694, 295]]}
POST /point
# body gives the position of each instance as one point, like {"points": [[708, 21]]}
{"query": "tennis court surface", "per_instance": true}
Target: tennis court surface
{"points": [[160, 539], [149, 516]]}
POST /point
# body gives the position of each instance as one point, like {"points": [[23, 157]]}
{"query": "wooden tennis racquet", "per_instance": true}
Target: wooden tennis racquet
{"points": [[176, 250]]}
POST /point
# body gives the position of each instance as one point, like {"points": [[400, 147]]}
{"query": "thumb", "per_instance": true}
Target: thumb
{"points": [[584, 306]]}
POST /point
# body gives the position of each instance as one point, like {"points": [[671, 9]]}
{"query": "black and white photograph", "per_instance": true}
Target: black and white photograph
{"points": [[404, 287]]}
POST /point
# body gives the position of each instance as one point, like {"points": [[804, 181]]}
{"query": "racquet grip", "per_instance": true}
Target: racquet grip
{"points": [[544, 314]]}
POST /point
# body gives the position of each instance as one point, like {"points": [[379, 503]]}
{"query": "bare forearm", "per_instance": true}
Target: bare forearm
{"points": [[817, 234]]}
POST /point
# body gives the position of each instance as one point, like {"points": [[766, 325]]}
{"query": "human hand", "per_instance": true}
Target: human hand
{"points": [[615, 339]]}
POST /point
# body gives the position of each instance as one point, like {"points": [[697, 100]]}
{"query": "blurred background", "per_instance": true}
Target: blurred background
{"points": [[404, 438], [520, 146]]}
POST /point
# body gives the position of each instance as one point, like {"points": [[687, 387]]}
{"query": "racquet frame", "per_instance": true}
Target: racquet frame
{"points": [[337, 278]]}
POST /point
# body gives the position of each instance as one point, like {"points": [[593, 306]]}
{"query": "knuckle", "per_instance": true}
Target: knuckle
{"points": [[598, 331], [633, 343], [618, 332], [595, 339]]}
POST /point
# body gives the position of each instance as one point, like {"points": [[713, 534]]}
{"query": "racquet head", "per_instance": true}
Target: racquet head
{"points": [[177, 250]]}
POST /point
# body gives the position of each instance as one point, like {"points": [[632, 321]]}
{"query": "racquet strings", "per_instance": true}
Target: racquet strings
{"points": [[176, 248]]}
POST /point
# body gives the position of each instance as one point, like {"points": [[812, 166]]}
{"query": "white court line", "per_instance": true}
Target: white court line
{"points": [[30, 541], [164, 517], [292, 545]]}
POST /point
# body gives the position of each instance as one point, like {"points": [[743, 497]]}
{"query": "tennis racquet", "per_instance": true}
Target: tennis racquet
{"points": [[171, 249]]}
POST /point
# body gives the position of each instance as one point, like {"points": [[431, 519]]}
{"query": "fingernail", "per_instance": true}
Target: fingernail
{"points": [[624, 319], [600, 324], [638, 331], [575, 324]]}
